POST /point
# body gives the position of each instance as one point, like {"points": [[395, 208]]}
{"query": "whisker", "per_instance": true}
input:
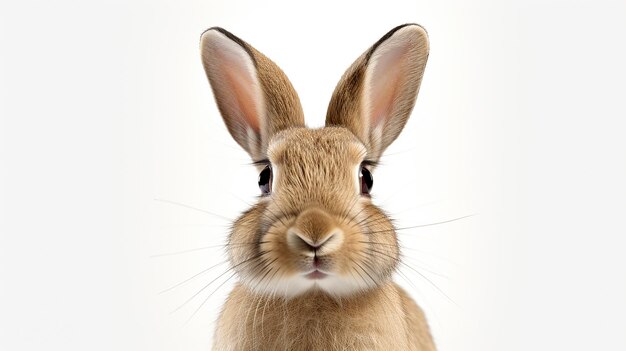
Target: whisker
{"points": [[421, 225], [367, 273], [368, 220], [208, 297], [192, 277], [400, 261], [399, 272], [271, 219], [284, 213], [404, 248], [366, 262], [353, 218], [267, 268], [377, 243], [193, 208], [347, 212], [240, 199], [406, 278], [437, 223], [266, 297], [375, 220], [275, 216], [361, 275], [212, 281], [175, 253], [427, 279]]}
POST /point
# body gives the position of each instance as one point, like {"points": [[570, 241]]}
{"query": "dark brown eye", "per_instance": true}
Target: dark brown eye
{"points": [[366, 181], [265, 180]]}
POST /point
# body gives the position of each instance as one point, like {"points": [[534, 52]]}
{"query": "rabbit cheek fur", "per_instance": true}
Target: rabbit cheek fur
{"points": [[314, 256]]}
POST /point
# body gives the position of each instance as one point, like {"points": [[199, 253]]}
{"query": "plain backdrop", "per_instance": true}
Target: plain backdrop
{"points": [[112, 153]]}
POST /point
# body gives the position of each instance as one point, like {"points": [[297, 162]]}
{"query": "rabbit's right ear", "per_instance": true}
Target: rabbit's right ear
{"points": [[253, 94], [376, 95]]}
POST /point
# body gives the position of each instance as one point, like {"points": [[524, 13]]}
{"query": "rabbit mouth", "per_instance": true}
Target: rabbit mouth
{"points": [[317, 268], [315, 275]]}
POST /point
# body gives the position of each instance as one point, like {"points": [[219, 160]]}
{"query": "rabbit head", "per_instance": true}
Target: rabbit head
{"points": [[314, 227]]}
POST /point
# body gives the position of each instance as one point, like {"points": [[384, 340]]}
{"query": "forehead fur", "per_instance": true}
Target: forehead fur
{"points": [[329, 144]]}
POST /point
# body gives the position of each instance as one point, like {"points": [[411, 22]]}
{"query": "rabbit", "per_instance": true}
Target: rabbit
{"points": [[315, 257]]}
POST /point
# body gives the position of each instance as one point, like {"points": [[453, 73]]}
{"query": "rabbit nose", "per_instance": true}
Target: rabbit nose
{"points": [[314, 233], [300, 242]]}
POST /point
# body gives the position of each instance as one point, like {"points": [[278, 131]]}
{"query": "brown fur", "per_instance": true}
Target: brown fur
{"points": [[316, 215], [380, 319]]}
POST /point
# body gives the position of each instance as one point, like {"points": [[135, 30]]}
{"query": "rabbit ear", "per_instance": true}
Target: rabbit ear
{"points": [[376, 95], [253, 95]]}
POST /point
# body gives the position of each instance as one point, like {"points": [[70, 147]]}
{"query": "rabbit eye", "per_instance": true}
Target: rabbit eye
{"points": [[366, 181], [265, 180]]}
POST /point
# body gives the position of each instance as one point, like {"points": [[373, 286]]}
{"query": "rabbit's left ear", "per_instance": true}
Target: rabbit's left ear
{"points": [[376, 95]]}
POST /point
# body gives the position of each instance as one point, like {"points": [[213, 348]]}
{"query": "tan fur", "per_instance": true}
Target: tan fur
{"points": [[316, 215], [380, 319]]}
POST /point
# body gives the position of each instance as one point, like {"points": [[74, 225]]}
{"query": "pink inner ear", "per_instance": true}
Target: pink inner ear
{"points": [[385, 83], [243, 90]]}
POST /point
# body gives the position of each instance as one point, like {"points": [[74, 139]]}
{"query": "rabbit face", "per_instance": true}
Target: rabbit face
{"points": [[316, 229]]}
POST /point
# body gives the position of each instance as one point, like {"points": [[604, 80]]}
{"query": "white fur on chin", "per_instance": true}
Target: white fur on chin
{"points": [[333, 285]]}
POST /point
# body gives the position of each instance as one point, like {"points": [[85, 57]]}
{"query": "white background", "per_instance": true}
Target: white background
{"points": [[105, 116]]}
